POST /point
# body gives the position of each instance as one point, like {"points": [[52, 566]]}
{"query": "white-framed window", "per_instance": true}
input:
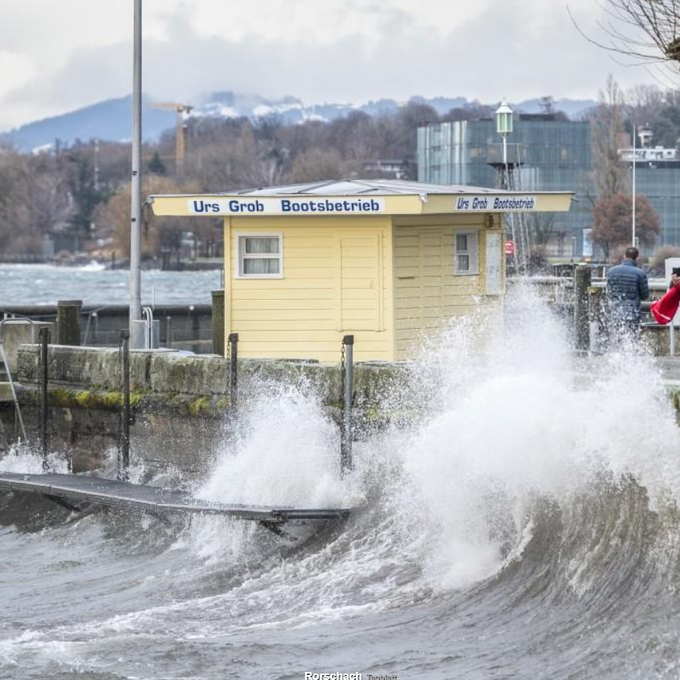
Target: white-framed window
{"points": [[259, 256], [465, 253]]}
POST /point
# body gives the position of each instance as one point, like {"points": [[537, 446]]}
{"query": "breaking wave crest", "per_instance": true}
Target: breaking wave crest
{"points": [[524, 521]]}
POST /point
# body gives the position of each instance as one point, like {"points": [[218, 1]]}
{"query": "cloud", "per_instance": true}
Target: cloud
{"points": [[517, 50]]}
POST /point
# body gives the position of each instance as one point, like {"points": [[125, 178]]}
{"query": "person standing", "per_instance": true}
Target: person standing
{"points": [[627, 286]]}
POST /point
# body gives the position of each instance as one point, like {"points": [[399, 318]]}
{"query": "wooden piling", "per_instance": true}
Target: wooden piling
{"points": [[582, 280], [68, 322], [218, 322], [233, 374]]}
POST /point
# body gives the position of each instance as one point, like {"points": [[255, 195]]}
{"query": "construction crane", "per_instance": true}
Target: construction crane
{"points": [[181, 130]]}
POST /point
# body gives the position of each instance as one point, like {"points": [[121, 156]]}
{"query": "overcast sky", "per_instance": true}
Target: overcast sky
{"points": [[56, 56]]}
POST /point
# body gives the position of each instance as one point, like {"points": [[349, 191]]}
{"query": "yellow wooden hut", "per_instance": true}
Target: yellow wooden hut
{"points": [[385, 260]]}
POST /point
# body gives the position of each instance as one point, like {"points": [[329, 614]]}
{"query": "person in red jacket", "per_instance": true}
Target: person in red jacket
{"points": [[664, 310]]}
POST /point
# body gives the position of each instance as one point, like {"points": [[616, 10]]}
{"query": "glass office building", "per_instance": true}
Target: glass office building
{"points": [[550, 155], [657, 177]]}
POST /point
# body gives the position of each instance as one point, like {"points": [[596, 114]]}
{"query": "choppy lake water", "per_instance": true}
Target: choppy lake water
{"points": [[525, 527], [46, 284]]}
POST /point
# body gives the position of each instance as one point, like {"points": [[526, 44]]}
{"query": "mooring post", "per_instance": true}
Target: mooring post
{"points": [[218, 322], [124, 457], [582, 279], [44, 342], [346, 463], [233, 374], [68, 322]]}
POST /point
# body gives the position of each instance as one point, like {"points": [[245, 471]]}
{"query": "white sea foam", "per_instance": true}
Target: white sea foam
{"points": [[514, 421], [22, 458], [286, 452], [507, 417]]}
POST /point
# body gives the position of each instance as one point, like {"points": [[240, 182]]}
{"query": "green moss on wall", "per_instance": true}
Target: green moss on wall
{"points": [[200, 406], [88, 399]]}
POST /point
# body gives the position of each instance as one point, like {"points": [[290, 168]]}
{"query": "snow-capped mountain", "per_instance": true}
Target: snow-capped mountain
{"points": [[112, 119]]}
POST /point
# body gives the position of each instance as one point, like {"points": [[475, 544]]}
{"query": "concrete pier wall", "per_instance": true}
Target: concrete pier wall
{"points": [[181, 403], [186, 327]]}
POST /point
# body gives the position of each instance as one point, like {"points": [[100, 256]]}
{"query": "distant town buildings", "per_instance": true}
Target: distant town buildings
{"points": [[393, 168], [550, 154]]}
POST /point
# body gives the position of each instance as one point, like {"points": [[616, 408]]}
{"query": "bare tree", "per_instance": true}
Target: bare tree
{"points": [[542, 227], [612, 218], [608, 136], [317, 164], [646, 30]]}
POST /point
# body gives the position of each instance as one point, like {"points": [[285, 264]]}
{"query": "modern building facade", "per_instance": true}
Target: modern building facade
{"points": [[657, 177], [549, 154]]}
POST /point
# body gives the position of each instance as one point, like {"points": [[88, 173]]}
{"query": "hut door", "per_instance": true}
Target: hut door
{"points": [[361, 281]]}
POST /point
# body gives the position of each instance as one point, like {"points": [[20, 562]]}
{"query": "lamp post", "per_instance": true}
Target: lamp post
{"points": [[504, 123], [504, 126], [634, 166], [136, 329]]}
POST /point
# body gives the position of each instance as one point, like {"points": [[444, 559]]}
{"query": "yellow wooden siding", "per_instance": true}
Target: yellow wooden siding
{"points": [[337, 280], [427, 294]]}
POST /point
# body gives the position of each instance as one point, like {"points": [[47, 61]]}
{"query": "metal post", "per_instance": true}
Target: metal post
{"points": [[582, 279], [124, 442], [233, 374], [634, 167], [44, 443], [671, 338], [346, 463], [136, 186]]}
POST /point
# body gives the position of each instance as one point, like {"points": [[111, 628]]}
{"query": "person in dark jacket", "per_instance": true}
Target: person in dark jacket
{"points": [[627, 286]]}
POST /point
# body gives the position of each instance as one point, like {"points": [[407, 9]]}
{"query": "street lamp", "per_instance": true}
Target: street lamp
{"points": [[504, 123], [136, 324], [634, 166]]}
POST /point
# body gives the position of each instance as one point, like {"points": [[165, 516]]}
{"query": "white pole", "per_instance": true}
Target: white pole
{"points": [[634, 164], [506, 186], [136, 331]]}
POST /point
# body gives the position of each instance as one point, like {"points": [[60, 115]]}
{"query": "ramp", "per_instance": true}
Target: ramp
{"points": [[118, 494]]}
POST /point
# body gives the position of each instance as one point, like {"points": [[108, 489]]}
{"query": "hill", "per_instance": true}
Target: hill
{"points": [[111, 119]]}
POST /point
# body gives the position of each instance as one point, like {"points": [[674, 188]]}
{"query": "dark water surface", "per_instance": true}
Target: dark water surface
{"points": [[46, 284], [108, 597]]}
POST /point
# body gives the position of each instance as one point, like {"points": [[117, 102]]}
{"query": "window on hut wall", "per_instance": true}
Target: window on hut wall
{"points": [[465, 256], [260, 256]]}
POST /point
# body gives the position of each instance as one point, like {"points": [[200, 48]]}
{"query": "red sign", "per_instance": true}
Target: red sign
{"points": [[509, 247]]}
